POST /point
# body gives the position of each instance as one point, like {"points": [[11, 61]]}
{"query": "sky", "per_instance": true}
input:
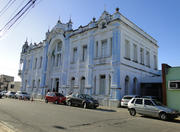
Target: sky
{"points": [[158, 18]]}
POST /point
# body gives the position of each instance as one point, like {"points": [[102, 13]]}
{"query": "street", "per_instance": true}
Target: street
{"points": [[36, 116]]}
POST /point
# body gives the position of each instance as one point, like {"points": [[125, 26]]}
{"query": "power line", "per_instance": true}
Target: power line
{"points": [[6, 7], [20, 5], [17, 14], [20, 14], [37, 3]]}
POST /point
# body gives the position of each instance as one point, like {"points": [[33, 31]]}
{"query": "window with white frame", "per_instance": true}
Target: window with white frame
{"points": [[28, 65], [96, 49], [59, 46], [155, 62], [58, 53], [84, 53], [103, 48], [141, 55], [174, 84], [74, 55], [33, 84], [111, 46], [57, 59], [148, 58], [40, 63], [127, 49], [35, 63], [102, 85], [135, 52], [38, 83]]}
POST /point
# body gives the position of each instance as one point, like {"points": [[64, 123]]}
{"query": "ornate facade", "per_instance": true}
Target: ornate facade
{"points": [[107, 59]]}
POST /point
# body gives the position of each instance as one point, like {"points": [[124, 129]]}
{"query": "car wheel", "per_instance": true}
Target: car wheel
{"points": [[163, 116], [84, 105], [132, 112], [69, 103], [46, 100], [95, 107]]}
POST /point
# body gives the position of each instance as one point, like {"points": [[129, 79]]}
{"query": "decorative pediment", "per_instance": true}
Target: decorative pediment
{"points": [[104, 20]]}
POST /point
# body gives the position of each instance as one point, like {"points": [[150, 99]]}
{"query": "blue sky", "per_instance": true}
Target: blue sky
{"points": [[159, 18]]}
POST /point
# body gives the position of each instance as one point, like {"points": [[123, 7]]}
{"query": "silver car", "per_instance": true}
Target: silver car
{"points": [[22, 95], [151, 107], [126, 99], [10, 94]]}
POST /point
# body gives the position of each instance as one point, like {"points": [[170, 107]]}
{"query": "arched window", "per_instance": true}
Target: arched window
{"points": [[126, 85], [56, 55], [134, 85], [82, 85], [109, 90], [95, 85], [72, 84]]}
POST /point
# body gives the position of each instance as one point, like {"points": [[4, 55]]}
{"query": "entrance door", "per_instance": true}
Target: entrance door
{"points": [[82, 85], [57, 85]]}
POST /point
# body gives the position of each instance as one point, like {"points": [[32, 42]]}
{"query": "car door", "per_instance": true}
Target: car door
{"points": [[50, 97], [53, 97], [138, 105], [148, 107], [80, 99]]}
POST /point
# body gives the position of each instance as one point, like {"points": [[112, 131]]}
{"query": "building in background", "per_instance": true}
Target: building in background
{"points": [[4, 81], [171, 86], [107, 59], [14, 86]]}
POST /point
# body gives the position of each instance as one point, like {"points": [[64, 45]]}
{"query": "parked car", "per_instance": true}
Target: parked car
{"points": [[1, 95], [151, 107], [55, 97], [126, 99], [10, 94], [151, 97], [22, 95], [83, 100]]}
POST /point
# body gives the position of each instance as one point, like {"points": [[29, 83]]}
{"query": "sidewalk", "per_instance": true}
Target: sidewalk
{"points": [[4, 128]]}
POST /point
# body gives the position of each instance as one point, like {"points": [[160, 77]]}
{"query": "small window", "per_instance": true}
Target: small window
{"points": [[128, 97], [148, 102], [12, 85], [138, 101], [103, 25]]}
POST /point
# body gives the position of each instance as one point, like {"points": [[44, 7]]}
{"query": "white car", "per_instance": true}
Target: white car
{"points": [[126, 99], [22, 95], [10, 94]]}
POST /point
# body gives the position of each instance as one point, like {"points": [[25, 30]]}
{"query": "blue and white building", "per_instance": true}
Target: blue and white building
{"points": [[107, 59]]}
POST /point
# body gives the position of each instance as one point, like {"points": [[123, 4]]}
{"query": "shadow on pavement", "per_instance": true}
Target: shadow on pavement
{"points": [[170, 120], [59, 127], [105, 110]]}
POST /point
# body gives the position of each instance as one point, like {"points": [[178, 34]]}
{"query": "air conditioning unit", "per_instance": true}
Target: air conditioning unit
{"points": [[174, 84]]}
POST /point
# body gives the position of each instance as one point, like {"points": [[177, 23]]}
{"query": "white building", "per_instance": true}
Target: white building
{"points": [[107, 59]]}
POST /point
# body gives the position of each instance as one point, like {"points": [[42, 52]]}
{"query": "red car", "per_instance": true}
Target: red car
{"points": [[55, 97]]}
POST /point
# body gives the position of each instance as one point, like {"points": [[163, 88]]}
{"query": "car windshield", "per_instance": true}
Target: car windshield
{"points": [[24, 93], [157, 103], [127, 97], [60, 95], [87, 96]]}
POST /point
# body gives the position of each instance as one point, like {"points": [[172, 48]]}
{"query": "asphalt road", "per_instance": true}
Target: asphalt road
{"points": [[27, 116]]}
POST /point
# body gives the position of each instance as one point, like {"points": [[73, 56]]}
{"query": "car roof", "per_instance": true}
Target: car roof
{"points": [[130, 95]]}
